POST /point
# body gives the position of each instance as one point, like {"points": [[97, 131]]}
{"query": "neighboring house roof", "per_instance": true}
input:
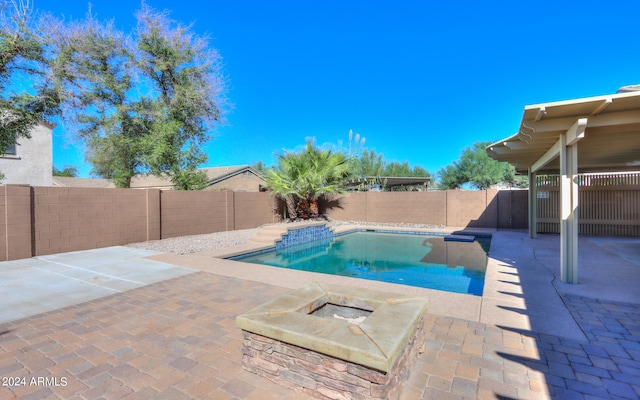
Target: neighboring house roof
{"points": [[63, 181], [629, 88], [150, 182], [214, 175], [219, 174]]}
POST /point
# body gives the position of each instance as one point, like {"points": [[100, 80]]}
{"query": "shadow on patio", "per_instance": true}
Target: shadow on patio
{"points": [[586, 336]]}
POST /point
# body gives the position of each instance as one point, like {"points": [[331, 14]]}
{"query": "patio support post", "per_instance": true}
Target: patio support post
{"points": [[533, 205], [569, 201]]}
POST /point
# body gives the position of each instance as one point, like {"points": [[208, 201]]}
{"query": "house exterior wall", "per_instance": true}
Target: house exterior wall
{"points": [[32, 164]]}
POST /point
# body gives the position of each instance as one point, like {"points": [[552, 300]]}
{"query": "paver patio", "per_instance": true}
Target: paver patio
{"points": [[177, 339]]}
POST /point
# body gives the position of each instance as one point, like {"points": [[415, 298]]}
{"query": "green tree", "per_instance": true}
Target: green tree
{"points": [[142, 103], [68, 171], [370, 164], [479, 169], [26, 97], [450, 178], [365, 163], [403, 169], [476, 167], [92, 67], [185, 73], [301, 178]]}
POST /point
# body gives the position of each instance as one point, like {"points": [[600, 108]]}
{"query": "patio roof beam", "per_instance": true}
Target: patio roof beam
{"points": [[572, 135], [576, 132], [603, 120], [602, 106], [547, 157]]}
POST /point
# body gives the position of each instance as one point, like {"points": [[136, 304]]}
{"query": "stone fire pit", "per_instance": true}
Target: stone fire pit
{"points": [[333, 341]]}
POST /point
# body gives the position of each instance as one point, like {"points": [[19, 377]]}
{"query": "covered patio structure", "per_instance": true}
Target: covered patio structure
{"points": [[594, 134]]}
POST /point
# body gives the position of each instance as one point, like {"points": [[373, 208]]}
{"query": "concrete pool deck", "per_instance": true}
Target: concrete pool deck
{"points": [[528, 336], [35, 285]]}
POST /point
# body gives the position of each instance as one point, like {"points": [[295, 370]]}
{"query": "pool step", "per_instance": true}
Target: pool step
{"points": [[270, 234], [459, 238]]}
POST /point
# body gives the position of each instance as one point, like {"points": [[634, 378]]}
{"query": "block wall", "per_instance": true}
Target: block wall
{"points": [[16, 222], [46, 220], [3, 225], [70, 219], [406, 207], [255, 209], [512, 209], [350, 207], [469, 208], [195, 212], [450, 208]]}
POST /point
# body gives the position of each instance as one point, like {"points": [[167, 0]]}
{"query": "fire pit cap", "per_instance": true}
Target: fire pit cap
{"points": [[377, 342]]}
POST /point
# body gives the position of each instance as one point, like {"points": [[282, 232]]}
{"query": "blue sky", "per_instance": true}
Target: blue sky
{"points": [[419, 80]]}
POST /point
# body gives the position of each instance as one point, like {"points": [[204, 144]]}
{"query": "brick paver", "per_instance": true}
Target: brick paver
{"points": [[530, 365], [174, 339], [177, 339]]}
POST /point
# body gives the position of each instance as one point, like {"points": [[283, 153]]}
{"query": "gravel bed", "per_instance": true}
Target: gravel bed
{"points": [[212, 241], [198, 243]]}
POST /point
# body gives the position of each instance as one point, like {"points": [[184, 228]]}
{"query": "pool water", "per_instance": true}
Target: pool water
{"points": [[425, 261]]}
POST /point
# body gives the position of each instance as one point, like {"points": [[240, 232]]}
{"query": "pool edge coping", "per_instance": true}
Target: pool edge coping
{"points": [[353, 228]]}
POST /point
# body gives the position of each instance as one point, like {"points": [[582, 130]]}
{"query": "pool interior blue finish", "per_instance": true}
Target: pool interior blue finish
{"points": [[426, 261]]}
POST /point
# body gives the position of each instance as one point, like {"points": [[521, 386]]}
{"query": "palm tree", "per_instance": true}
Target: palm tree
{"points": [[301, 178]]}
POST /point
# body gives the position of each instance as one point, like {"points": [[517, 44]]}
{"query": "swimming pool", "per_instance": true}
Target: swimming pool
{"points": [[421, 260]]}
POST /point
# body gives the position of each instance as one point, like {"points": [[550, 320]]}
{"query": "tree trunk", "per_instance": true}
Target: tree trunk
{"points": [[303, 209], [291, 207], [307, 208], [313, 208]]}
